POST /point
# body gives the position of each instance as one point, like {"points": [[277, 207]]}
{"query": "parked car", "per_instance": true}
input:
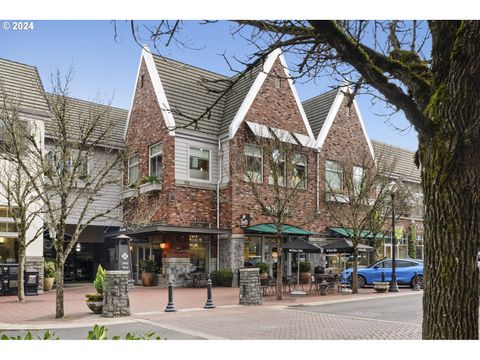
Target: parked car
{"points": [[405, 269]]}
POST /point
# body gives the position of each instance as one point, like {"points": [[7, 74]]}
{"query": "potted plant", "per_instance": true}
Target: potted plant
{"points": [[48, 275], [381, 286], [148, 269], [263, 269], [305, 268], [95, 301]]}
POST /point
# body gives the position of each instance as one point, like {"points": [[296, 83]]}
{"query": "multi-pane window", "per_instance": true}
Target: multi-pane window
{"points": [[277, 168], [299, 171], [418, 206], [333, 176], [199, 164], [82, 170], [155, 153], [253, 163], [133, 169], [357, 179]]}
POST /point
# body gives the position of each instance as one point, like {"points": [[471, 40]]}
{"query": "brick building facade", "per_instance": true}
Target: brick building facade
{"points": [[187, 215]]}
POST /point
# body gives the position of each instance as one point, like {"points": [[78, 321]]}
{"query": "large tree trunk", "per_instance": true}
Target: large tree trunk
{"points": [[450, 158], [21, 270], [450, 301], [59, 280]]}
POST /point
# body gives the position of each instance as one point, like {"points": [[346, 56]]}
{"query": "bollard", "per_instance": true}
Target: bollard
{"points": [[209, 304], [170, 306], [383, 276], [415, 282]]}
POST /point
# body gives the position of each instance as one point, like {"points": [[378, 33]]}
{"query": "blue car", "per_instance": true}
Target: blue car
{"points": [[405, 270]]}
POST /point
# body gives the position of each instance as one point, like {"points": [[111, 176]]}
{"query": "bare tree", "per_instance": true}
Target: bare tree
{"points": [[278, 196], [23, 202], [78, 162], [437, 89], [358, 199]]}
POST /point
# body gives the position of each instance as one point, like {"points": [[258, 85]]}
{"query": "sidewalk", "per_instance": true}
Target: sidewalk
{"points": [[39, 311]]}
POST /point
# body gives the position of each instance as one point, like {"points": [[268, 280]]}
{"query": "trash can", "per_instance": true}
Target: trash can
{"points": [[31, 282]]}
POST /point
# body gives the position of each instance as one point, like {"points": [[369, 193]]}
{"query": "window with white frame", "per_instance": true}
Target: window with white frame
{"points": [[253, 163], [333, 176], [82, 169], [155, 153], [199, 164], [277, 168], [418, 206], [133, 169], [299, 171], [357, 179]]}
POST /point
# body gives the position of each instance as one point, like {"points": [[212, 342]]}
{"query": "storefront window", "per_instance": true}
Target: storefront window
{"points": [[199, 247], [252, 251], [8, 250]]}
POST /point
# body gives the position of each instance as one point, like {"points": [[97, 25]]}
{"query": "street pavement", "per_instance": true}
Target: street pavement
{"points": [[394, 316]]}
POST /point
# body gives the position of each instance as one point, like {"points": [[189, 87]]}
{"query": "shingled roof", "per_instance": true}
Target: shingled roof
{"points": [[191, 90], [80, 111], [23, 87], [317, 109], [402, 160]]}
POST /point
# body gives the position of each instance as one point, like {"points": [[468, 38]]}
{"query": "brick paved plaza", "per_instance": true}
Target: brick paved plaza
{"points": [[290, 318]]}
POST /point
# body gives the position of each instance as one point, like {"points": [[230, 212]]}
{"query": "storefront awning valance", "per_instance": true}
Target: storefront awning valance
{"points": [[365, 234], [271, 229]]}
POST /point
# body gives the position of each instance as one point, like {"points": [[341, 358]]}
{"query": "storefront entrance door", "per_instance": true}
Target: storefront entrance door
{"points": [[140, 252]]}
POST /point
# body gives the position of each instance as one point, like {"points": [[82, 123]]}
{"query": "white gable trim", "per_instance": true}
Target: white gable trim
{"points": [[332, 114], [252, 93], [157, 87], [159, 91], [297, 99], [370, 147]]}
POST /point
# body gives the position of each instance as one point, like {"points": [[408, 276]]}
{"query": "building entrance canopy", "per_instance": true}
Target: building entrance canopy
{"points": [[271, 229]]}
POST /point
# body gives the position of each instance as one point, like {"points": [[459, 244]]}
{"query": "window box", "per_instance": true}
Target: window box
{"points": [[149, 187], [129, 193]]}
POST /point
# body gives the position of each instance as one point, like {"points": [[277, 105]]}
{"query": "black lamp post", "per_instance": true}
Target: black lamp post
{"points": [[393, 284]]}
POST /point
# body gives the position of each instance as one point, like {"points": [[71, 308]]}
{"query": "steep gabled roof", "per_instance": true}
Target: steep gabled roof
{"points": [[317, 109], [190, 91], [401, 159], [23, 87], [81, 112]]}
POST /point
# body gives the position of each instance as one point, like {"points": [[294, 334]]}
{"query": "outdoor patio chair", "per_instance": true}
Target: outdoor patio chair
{"points": [[314, 283], [187, 280]]}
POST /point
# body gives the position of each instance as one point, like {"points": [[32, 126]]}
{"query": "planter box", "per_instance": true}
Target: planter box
{"points": [[148, 187], [381, 286], [129, 193]]}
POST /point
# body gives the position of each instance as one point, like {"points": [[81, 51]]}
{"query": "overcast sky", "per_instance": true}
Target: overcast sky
{"points": [[107, 66]]}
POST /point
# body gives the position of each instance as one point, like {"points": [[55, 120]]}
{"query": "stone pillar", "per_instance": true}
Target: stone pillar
{"points": [[231, 255], [250, 291], [36, 262], [115, 294]]}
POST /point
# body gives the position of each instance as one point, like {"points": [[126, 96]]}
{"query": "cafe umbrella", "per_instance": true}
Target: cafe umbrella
{"points": [[299, 246], [344, 246]]}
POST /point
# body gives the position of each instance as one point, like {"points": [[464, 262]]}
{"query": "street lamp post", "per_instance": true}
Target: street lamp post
{"points": [[393, 284]]}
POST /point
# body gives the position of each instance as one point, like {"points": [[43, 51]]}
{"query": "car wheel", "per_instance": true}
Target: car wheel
{"points": [[361, 281], [420, 281]]}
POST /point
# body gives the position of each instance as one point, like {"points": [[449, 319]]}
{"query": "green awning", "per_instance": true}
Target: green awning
{"points": [[272, 229], [365, 234]]}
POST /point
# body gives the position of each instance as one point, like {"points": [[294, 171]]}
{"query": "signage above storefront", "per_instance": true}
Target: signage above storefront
{"points": [[244, 221]]}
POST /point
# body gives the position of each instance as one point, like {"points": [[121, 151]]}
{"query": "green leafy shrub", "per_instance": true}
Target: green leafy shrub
{"points": [[100, 333], [262, 266], [49, 269], [222, 277], [48, 335], [305, 266], [148, 266], [149, 179], [99, 281]]}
